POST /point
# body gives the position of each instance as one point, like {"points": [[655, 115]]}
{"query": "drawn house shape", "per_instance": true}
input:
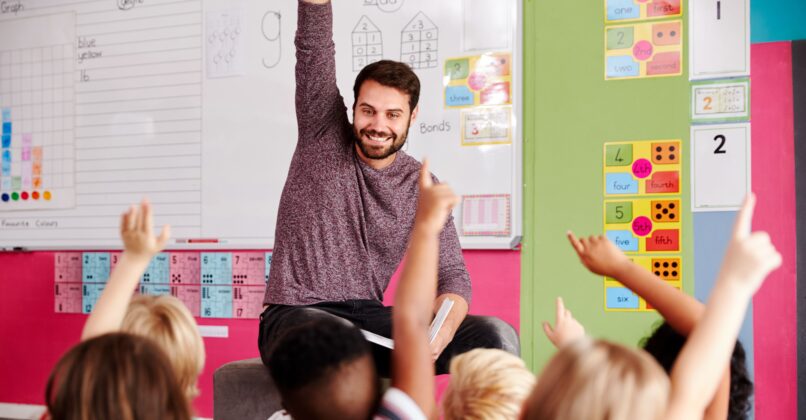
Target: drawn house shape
{"points": [[419, 42], [367, 43]]}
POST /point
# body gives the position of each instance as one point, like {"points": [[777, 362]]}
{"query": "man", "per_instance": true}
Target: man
{"points": [[348, 206]]}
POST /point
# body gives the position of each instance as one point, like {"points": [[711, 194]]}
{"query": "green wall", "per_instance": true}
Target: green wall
{"points": [[569, 112]]}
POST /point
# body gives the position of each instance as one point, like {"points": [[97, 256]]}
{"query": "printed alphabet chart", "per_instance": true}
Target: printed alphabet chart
{"points": [[644, 50], [643, 212], [478, 80], [210, 284]]}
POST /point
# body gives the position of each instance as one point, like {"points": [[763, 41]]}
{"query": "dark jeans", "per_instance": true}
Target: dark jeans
{"points": [[371, 315]]}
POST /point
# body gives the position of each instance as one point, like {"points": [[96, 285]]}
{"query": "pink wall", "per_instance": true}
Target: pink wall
{"points": [[773, 168], [34, 337]]}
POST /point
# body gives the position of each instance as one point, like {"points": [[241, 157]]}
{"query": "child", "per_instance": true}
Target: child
{"points": [[487, 384], [681, 313], [163, 319], [611, 381], [344, 384], [115, 376]]}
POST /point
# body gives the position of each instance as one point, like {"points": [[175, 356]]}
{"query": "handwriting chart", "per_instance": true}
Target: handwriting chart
{"points": [[644, 225], [419, 43], [644, 50], [367, 43], [619, 298], [36, 104], [478, 80], [720, 101], [225, 45], [642, 167], [485, 215], [486, 125], [627, 10]]}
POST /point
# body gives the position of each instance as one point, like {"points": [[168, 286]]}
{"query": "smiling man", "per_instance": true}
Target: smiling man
{"points": [[348, 206]]}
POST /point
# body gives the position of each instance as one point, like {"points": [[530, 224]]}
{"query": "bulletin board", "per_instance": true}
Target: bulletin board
{"points": [[190, 103]]}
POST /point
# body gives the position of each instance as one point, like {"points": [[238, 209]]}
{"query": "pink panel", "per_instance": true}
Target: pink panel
{"points": [[773, 167], [35, 336]]}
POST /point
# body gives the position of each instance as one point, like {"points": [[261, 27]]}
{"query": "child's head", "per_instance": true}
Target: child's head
{"points": [[595, 379], [167, 321], [487, 384], [324, 369], [665, 344], [115, 376]]}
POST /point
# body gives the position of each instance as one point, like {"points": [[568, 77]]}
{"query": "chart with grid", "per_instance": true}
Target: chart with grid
{"points": [[37, 105]]}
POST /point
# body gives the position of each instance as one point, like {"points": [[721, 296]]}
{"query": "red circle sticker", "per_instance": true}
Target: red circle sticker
{"points": [[641, 226], [641, 168]]}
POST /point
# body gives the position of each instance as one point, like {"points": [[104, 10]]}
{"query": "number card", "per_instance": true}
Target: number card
{"points": [[216, 302], [618, 298], [642, 167], [478, 80], [190, 295], [719, 39], [627, 10], [158, 270], [644, 226], [485, 215], [720, 101], [248, 268], [247, 301], [95, 267], [486, 125], [644, 50], [185, 268], [720, 166]]}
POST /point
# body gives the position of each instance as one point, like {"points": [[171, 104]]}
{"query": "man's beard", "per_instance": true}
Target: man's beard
{"points": [[380, 154]]}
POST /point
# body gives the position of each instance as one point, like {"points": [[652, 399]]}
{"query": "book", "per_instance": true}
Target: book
{"points": [[433, 330]]}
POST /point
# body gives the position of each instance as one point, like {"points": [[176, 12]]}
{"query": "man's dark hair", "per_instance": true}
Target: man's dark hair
{"points": [[665, 344], [313, 350], [393, 74]]}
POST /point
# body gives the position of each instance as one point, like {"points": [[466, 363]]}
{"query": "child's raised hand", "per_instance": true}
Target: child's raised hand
{"points": [[599, 255], [750, 256], [566, 327], [137, 232], [435, 202]]}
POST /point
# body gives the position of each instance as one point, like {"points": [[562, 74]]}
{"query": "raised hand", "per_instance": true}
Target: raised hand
{"points": [[599, 255], [434, 203], [566, 328], [137, 232], [750, 256]]}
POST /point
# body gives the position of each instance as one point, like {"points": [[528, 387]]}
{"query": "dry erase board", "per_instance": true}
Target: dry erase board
{"points": [[191, 104]]}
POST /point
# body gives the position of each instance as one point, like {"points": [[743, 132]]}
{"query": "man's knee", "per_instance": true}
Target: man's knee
{"points": [[495, 333], [274, 326]]}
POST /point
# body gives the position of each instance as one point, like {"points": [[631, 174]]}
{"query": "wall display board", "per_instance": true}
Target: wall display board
{"points": [[191, 104]]}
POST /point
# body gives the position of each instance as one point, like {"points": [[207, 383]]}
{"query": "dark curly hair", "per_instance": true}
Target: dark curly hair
{"points": [[665, 344]]}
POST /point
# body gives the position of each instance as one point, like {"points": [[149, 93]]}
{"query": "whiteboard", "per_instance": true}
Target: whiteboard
{"points": [[191, 104]]}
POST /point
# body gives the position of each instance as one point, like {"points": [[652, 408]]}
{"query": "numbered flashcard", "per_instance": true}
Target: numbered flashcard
{"points": [[719, 39], [216, 302], [720, 101], [627, 10], [68, 267], [155, 289], [268, 266], [248, 268], [419, 43], [478, 80], [95, 267], [618, 298], [642, 167], [68, 298], [91, 292], [485, 215], [720, 166], [190, 295], [185, 268], [486, 125], [644, 225], [158, 270], [216, 268], [644, 50], [367, 43], [247, 301]]}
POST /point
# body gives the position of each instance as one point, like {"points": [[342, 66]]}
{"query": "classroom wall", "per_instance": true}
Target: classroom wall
{"points": [[34, 337], [777, 20]]}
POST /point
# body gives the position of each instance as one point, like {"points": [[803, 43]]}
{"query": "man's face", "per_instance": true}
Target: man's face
{"points": [[381, 120]]}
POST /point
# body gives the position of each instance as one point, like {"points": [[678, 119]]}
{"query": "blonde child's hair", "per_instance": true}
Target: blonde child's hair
{"points": [[487, 384], [597, 380], [166, 321]]}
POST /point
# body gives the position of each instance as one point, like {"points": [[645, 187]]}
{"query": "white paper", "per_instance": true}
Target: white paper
{"points": [[720, 177], [719, 38]]}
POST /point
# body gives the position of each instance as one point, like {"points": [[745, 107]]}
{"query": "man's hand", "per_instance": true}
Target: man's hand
{"points": [[566, 327], [434, 203], [599, 255], [750, 256], [137, 232], [442, 339]]}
